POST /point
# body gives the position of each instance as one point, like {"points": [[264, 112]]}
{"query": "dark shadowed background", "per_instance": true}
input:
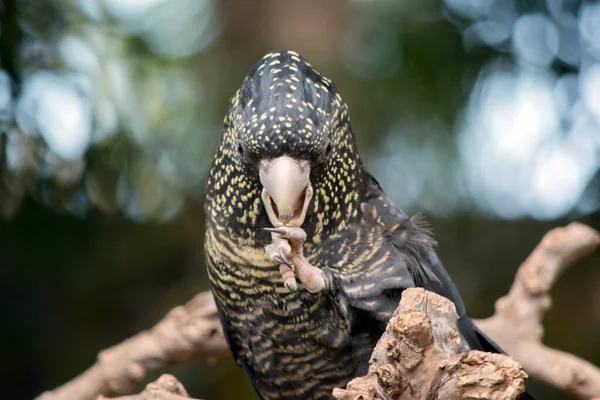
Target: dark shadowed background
{"points": [[482, 114]]}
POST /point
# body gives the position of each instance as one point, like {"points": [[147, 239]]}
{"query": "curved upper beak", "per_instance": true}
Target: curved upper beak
{"points": [[286, 190]]}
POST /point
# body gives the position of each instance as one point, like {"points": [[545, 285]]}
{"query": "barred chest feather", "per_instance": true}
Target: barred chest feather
{"points": [[279, 334]]}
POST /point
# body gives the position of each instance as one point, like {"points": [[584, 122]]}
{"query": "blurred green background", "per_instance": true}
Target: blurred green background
{"points": [[482, 114]]}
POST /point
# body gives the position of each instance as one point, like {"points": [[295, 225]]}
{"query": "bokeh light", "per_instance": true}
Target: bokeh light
{"points": [[117, 78], [88, 87]]}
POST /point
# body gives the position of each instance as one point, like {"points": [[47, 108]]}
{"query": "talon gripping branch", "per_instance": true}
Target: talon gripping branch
{"points": [[287, 196]]}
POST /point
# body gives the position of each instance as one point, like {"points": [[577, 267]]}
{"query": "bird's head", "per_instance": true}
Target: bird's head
{"points": [[287, 140]]}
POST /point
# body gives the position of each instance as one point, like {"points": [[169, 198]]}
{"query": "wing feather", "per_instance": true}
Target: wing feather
{"points": [[401, 256]]}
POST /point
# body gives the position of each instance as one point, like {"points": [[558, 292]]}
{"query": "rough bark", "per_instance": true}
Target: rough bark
{"points": [[167, 387], [420, 357]]}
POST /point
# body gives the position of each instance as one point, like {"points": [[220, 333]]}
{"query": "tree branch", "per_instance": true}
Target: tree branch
{"points": [[192, 333], [517, 323], [167, 387], [419, 357]]}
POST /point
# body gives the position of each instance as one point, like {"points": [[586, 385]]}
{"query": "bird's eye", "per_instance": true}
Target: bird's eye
{"points": [[241, 150], [323, 156]]}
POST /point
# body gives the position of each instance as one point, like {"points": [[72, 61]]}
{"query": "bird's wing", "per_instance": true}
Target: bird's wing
{"points": [[393, 252], [430, 273], [380, 255]]}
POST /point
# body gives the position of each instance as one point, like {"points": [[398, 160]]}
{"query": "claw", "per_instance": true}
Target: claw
{"points": [[291, 285], [281, 258], [280, 231], [284, 258]]}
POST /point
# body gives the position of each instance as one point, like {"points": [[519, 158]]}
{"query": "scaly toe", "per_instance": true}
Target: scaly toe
{"points": [[310, 276], [296, 237], [288, 232]]}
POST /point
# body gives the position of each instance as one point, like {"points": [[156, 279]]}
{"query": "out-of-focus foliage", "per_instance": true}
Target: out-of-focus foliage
{"points": [[112, 106], [528, 140], [531, 129], [484, 114]]}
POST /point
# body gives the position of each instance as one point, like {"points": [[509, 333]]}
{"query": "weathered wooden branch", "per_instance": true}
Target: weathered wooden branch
{"points": [[517, 323], [420, 357], [167, 387], [192, 333]]}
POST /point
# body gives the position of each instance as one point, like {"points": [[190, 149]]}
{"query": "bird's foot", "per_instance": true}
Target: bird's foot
{"points": [[286, 250]]}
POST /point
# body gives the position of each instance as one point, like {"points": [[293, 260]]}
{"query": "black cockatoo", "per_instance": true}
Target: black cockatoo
{"points": [[306, 254]]}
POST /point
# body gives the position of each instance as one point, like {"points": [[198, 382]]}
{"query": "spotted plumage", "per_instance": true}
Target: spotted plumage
{"points": [[296, 344]]}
